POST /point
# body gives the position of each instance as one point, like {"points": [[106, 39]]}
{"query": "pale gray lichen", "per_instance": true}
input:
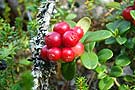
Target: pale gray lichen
{"points": [[42, 70]]}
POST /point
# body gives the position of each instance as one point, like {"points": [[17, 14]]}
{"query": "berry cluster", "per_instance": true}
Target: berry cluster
{"points": [[63, 43], [126, 13]]}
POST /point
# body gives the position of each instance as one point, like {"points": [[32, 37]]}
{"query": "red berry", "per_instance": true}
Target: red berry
{"points": [[61, 27], [79, 31], [43, 53], [53, 39], [78, 49], [70, 38], [126, 13], [67, 55], [54, 54]]}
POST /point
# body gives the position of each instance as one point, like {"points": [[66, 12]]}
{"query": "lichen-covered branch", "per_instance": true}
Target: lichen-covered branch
{"points": [[42, 70]]}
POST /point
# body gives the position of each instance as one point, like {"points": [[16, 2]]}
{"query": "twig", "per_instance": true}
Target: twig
{"points": [[116, 82]]}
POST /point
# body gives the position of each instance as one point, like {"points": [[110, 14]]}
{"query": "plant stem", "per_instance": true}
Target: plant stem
{"points": [[91, 78], [116, 82]]}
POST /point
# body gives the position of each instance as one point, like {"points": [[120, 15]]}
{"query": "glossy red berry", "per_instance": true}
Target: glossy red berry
{"points": [[54, 53], [61, 27], [53, 39], [126, 13], [79, 31], [67, 55], [43, 53], [70, 39], [78, 49]]}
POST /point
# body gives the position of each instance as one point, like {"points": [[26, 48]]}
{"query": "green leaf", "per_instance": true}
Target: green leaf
{"points": [[113, 26], [84, 37], [129, 43], [90, 46], [124, 87], [101, 68], [118, 27], [110, 40], [122, 60], [124, 26], [60, 11], [68, 70], [132, 13], [106, 83], [121, 40], [84, 23], [71, 16], [70, 1], [97, 36], [24, 62], [101, 75], [104, 55], [25, 78], [115, 5], [89, 60], [116, 71], [71, 23], [129, 78]]}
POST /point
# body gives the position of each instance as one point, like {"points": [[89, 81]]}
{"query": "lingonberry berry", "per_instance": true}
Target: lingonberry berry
{"points": [[54, 54], [78, 49], [53, 39], [43, 53], [126, 13], [70, 39], [61, 27], [79, 31], [67, 55]]}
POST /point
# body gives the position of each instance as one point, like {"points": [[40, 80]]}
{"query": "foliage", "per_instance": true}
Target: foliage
{"points": [[109, 51], [81, 83]]}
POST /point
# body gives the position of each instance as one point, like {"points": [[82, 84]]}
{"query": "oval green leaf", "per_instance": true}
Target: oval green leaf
{"points": [[71, 16], [89, 46], [124, 87], [132, 13], [102, 68], [71, 23], [104, 55], [121, 40], [106, 83], [122, 60], [97, 36], [101, 75], [89, 60], [84, 23], [68, 70], [116, 71]]}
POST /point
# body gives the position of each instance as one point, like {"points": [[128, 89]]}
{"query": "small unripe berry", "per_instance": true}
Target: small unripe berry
{"points": [[78, 49]]}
